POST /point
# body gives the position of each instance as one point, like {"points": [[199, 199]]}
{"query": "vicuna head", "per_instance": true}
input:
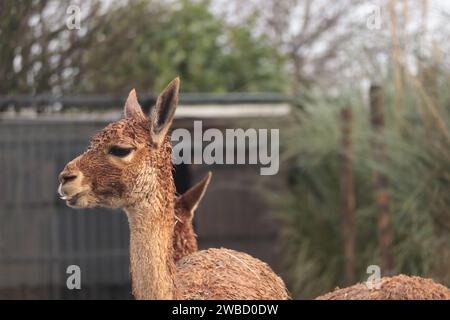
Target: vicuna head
{"points": [[185, 239], [188, 202], [127, 161]]}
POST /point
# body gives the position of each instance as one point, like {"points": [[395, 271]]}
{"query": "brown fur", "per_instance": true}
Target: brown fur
{"points": [[227, 274], [142, 184], [400, 287], [185, 238]]}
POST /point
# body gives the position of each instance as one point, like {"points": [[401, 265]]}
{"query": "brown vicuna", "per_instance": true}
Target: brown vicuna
{"points": [[128, 165], [185, 238], [399, 287]]}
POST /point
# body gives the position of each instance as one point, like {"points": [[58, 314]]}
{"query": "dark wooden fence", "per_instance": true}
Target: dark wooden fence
{"points": [[40, 237]]}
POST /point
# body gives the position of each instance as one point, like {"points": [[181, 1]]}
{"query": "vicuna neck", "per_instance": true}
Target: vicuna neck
{"points": [[151, 243]]}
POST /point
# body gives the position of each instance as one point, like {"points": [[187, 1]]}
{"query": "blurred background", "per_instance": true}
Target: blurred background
{"points": [[360, 91]]}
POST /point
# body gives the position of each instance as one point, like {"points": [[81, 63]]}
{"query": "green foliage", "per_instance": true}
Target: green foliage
{"points": [[418, 167], [146, 45], [140, 43]]}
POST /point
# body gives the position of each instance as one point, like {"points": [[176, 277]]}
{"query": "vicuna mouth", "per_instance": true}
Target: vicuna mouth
{"points": [[71, 200]]}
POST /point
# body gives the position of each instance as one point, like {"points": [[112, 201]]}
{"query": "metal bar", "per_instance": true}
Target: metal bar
{"points": [[147, 100]]}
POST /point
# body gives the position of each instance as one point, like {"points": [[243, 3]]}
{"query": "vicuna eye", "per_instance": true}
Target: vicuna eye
{"points": [[120, 151]]}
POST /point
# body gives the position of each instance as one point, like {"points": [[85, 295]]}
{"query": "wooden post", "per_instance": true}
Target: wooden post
{"points": [[348, 199], [381, 181]]}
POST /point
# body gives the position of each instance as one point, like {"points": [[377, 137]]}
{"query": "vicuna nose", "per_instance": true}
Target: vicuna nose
{"points": [[66, 177]]}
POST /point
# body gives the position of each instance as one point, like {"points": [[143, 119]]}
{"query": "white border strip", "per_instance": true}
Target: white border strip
{"points": [[183, 111]]}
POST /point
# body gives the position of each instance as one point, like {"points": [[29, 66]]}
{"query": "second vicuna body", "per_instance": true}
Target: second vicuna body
{"points": [[400, 287], [128, 165]]}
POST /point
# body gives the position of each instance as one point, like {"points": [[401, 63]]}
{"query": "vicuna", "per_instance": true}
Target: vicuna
{"points": [[128, 165]]}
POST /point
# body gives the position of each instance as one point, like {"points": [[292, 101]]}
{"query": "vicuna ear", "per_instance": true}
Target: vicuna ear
{"points": [[162, 114], [191, 198], [132, 107]]}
